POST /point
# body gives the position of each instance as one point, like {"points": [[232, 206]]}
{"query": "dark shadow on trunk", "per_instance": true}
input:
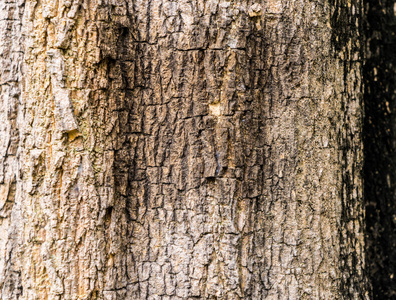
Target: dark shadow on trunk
{"points": [[379, 147]]}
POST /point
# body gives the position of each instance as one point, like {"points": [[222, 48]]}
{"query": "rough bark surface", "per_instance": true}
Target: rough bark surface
{"points": [[182, 150], [11, 58]]}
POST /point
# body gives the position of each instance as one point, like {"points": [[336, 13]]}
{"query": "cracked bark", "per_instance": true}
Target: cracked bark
{"points": [[181, 150]]}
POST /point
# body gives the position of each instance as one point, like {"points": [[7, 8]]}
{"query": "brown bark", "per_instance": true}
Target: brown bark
{"points": [[185, 150]]}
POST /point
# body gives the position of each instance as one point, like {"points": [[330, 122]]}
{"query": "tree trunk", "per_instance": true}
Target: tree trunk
{"points": [[181, 150]]}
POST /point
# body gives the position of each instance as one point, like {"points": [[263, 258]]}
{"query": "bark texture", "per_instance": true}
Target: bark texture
{"points": [[11, 58], [182, 150]]}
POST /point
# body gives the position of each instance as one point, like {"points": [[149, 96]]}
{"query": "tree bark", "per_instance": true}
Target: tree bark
{"points": [[181, 150]]}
